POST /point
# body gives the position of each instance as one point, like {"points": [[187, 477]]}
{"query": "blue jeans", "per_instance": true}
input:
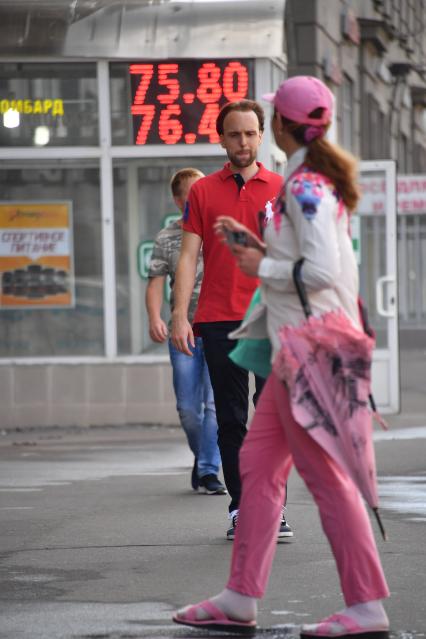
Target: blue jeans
{"points": [[195, 406]]}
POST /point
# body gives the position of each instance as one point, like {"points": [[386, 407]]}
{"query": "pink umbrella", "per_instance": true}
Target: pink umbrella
{"points": [[326, 364]]}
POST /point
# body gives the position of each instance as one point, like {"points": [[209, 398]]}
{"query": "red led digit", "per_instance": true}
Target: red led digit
{"points": [[146, 71], [172, 84], [147, 111], [235, 81], [209, 89], [190, 138], [169, 128], [207, 124]]}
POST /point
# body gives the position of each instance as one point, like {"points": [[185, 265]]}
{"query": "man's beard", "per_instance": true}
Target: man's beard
{"points": [[242, 162]]}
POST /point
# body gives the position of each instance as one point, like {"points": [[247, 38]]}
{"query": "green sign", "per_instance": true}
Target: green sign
{"points": [[144, 253], [172, 217]]}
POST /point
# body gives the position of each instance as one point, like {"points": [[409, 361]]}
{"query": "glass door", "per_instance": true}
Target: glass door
{"points": [[375, 242]]}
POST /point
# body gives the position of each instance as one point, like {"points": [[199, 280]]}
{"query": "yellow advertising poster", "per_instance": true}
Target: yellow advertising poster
{"points": [[36, 255]]}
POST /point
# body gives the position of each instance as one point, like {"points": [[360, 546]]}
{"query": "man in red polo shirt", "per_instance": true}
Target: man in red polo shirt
{"points": [[242, 189]]}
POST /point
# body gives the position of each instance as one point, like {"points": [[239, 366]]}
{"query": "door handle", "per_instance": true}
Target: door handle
{"points": [[381, 283]]}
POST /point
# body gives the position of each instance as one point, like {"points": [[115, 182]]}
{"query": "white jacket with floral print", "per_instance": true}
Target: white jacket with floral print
{"points": [[310, 222]]}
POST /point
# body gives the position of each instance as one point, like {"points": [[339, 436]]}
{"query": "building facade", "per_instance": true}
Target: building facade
{"points": [[100, 103]]}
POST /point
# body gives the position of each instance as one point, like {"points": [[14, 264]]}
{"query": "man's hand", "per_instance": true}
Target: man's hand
{"points": [[182, 334], [158, 330], [248, 259], [154, 298]]}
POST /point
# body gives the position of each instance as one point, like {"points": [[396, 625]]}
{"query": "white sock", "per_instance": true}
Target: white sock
{"points": [[370, 613], [235, 605]]}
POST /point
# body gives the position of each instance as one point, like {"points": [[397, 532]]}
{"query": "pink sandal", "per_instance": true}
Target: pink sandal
{"points": [[217, 620], [343, 627]]}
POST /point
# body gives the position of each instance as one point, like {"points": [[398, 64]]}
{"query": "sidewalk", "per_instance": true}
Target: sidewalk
{"points": [[413, 388], [102, 537]]}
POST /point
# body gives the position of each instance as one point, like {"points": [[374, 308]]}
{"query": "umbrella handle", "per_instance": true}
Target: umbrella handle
{"points": [[380, 523], [300, 287], [379, 419]]}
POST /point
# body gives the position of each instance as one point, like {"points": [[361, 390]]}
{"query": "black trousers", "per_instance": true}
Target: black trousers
{"points": [[231, 396]]}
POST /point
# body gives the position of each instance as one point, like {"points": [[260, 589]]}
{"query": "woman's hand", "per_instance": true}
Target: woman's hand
{"points": [[225, 222], [248, 259]]}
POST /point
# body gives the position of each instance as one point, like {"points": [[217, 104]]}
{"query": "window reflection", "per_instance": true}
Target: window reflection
{"points": [[76, 329]]}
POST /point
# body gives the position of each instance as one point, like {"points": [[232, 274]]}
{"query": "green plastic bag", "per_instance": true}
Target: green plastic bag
{"points": [[253, 354]]}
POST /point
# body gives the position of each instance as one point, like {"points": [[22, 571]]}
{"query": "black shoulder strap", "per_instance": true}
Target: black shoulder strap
{"points": [[300, 287]]}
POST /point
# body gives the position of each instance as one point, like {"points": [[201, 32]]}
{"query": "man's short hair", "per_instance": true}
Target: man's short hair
{"points": [[240, 105], [180, 176]]}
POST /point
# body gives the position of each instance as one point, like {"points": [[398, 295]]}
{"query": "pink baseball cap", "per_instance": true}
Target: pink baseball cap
{"points": [[298, 96]]}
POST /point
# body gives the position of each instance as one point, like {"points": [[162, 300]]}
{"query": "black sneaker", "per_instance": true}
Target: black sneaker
{"points": [[211, 485], [284, 532], [230, 533], [195, 482]]}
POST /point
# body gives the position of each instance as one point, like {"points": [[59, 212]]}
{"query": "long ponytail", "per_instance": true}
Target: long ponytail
{"points": [[338, 165], [331, 160]]}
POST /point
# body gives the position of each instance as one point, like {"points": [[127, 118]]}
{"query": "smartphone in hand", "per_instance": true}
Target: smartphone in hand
{"points": [[236, 237]]}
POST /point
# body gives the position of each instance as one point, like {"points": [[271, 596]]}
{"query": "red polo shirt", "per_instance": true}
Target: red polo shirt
{"points": [[225, 291]]}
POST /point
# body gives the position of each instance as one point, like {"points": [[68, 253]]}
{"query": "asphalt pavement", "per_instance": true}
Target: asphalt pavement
{"points": [[102, 537]]}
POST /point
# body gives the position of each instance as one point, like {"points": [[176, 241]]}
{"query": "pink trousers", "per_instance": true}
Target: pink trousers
{"points": [[273, 443]]}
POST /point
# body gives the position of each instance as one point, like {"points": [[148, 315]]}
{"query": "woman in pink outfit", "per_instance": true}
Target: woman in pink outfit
{"points": [[310, 222]]}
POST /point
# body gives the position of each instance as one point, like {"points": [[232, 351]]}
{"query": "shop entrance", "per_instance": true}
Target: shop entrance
{"points": [[375, 242]]}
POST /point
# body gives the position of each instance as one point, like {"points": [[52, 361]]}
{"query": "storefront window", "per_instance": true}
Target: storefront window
{"points": [[51, 299], [48, 105], [143, 204]]}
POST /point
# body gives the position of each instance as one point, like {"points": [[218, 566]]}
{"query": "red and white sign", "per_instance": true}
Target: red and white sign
{"points": [[411, 195]]}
